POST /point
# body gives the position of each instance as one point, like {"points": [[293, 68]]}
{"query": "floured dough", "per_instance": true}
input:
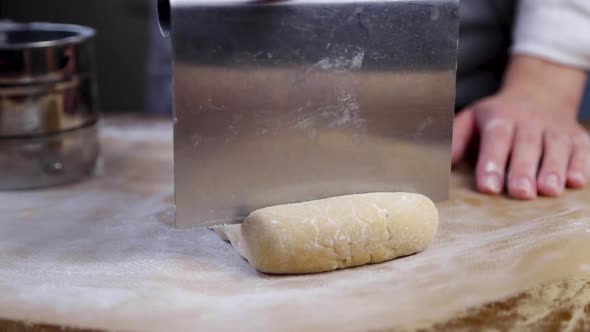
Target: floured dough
{"points": [[335, 233]]}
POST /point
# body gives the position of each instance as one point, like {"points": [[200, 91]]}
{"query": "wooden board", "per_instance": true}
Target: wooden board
{"points": [[103, 254]]}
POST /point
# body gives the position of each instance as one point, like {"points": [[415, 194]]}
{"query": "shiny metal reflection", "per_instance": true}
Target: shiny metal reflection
{"points": [[47, 108], [297, 100], [43, 161], [44, 52], [48, 113]]}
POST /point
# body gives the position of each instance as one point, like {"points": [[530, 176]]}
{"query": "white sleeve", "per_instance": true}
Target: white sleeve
{"points": [[556, 30]]}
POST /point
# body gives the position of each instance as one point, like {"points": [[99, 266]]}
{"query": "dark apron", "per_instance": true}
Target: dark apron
{"points": [[484, 45]]}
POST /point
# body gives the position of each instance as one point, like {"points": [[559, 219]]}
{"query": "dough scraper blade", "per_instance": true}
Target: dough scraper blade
{"points": [[286, 101]]}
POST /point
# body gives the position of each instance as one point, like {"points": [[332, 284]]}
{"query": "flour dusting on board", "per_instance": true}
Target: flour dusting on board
{"points": [[151, 132]]}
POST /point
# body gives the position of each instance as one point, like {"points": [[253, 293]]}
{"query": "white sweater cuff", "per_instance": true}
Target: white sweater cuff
{"points": [[555, 30]]}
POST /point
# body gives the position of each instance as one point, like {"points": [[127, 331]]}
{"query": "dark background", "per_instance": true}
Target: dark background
{"points": [[122, 43]]}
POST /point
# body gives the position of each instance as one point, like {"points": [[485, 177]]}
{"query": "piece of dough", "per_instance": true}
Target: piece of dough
{"points": [[335, 233]]}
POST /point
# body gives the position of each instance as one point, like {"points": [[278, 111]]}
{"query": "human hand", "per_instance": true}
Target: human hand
{"points": [[530, 139]]}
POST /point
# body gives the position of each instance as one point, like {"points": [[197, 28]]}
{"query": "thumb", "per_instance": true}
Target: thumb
{"points": [[463, 131]]}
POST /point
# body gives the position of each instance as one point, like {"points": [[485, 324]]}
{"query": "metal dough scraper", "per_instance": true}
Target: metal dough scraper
{"points": [[285, 101]]}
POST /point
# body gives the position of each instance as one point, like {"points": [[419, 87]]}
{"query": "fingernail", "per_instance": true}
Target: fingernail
{"points": [[492, 183], [491, 167], [552, 181], [577, 177], [525, 186]]}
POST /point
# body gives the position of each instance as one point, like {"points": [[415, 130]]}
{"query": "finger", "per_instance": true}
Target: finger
{"points": [[524, 162], [496, 142], [579, 166], [556, 151], [463, 130]]}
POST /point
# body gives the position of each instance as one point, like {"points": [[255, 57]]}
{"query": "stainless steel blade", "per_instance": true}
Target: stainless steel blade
{"points": [[289, 101]]}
